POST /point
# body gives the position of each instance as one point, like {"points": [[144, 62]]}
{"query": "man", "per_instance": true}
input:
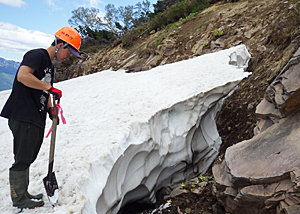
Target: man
{"points": [[27, 106]]}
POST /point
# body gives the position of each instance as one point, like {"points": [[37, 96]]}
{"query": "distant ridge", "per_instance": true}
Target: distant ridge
{"points": [[8, 69]]}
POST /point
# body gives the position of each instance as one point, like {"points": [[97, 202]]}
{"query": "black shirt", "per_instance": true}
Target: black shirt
{"points": [[27, 104]]}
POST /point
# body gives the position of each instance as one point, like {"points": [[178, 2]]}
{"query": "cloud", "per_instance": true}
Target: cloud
{"points": [[14, 3], [94, 3], [50, 3], [18, 40], [53, 5]]}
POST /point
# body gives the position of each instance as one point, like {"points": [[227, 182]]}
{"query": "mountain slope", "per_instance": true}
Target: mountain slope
{"points": [[8, 69], [270, 29]]}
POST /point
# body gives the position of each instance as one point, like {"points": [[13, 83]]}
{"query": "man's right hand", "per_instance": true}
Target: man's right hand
{"points": [[56, 92]]}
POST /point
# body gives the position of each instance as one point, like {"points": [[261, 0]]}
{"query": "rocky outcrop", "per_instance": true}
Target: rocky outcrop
{"points": [[282, 96], [262, 175]]}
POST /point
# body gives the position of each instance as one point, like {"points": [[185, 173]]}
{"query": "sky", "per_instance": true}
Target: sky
{"points": [[29, 24], [142, 118]]}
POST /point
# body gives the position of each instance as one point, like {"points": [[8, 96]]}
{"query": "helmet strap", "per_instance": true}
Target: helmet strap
{"points": [[55, 61]]}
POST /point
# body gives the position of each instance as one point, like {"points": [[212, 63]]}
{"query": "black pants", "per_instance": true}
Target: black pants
{"points": [[28, 139]]}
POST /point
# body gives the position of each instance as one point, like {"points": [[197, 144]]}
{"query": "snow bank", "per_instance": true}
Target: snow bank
{"points": [[129, 134]]}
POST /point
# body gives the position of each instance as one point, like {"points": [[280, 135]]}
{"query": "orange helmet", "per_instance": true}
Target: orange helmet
{"points": [[70, 36]]}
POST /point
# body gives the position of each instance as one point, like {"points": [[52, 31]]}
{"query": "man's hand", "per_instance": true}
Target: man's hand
{"points": [[56, 92], [51, 114]]}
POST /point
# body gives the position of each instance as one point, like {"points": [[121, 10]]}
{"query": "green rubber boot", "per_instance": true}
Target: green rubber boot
{"points": [[18, 189], [36, 197]]}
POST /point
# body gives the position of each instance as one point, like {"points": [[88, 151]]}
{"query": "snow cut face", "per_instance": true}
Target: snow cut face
{"points": [[129, 134]]}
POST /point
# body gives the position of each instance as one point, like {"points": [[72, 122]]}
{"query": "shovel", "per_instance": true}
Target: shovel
{"points": [[50, 182]]}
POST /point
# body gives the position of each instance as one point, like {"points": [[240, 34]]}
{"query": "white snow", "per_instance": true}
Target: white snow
{"points": [[129, 134], [54, 198]]}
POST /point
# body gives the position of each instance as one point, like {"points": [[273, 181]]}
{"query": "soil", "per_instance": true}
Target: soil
{"points": [[271, 31], [197, 199]]}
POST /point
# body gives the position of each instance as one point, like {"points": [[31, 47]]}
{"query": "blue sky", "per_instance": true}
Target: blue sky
{"points": [[29, 24]]}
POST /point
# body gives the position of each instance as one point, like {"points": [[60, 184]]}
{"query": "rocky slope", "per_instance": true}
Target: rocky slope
{"points": [[270, 29], [261, 175]]}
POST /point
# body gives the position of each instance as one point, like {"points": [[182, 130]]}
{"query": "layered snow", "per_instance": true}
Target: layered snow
{"points": [[129, 134]]}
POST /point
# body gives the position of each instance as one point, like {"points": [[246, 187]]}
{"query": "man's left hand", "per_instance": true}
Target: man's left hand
{"points": [[51, 114]]}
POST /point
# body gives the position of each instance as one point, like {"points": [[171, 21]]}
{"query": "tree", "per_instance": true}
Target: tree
{"points": [[117, 20], [112, 14], [143, 11], [125, 18], [161, 5], [127, 15], [85, 19]]}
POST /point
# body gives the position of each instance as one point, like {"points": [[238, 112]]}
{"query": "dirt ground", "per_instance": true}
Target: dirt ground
{"points": [[197, 199], [195, 196]]}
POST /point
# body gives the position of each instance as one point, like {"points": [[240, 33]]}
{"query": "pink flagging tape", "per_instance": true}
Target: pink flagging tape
{"points": [[63, 119]]}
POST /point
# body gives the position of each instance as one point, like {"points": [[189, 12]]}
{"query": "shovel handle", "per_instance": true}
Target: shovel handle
{"points": [[53, 135]]}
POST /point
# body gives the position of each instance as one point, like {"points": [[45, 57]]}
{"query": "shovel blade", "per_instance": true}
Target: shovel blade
{"points": [[51, 187]]}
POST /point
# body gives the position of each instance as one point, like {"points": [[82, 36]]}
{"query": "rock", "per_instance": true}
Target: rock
{"points": [[217, 209], [152, 32], [196, 191], [168, 47], [292, 209], [192, 181], [231, 191], [203, 184], [177, 192], [187, 210], [263, 124], [292, 198], [261, 48], [222, 175], [266, 109], [262, 174], [279, 94], [295, 178], [217, 44], [178, 210], [263, 159], [274, 201], [282, 97], [283, 205], [252, 31]]}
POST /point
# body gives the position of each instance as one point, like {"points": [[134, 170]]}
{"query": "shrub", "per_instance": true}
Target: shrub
{"points": [[133, 34], [218, 32], [179, 10]]}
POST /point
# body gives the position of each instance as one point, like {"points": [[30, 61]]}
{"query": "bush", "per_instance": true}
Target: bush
{"points": [[133, 34], [217, 32], [179, 10]]}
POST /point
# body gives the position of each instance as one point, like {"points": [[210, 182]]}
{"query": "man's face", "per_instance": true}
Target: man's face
{"points": [[63, 54]]}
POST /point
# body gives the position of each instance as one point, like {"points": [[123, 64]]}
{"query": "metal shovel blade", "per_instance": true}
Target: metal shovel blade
{"points": [[51, 187]]}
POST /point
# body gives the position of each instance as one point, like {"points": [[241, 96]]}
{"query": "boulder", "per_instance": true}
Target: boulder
{"points": [[262, 175]]}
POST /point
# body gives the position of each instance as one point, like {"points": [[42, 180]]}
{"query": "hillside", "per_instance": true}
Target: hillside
{"points": [[8, 70], [270, 29]]}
